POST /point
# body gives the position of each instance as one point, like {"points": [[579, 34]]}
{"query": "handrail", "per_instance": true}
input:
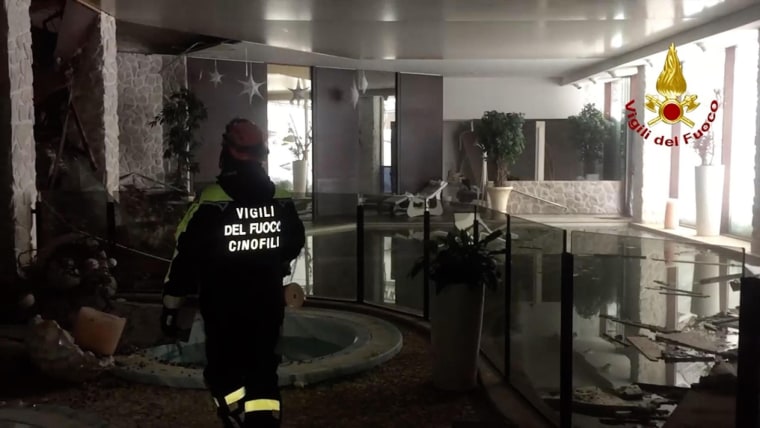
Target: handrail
{"points": [[540, 199]]}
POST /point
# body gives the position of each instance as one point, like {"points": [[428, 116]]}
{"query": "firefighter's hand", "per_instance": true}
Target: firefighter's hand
{"points": [[169, 321]]}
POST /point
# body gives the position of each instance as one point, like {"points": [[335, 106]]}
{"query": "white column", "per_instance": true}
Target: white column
{"points": [[540, 149], [17, 149]]}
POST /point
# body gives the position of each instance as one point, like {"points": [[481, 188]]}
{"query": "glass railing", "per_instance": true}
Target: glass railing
{"points": [[651, 318], [536, 291], [577, 318]]}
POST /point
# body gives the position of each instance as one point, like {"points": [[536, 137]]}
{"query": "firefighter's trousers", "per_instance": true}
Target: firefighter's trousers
{"points": [[241, 371]]}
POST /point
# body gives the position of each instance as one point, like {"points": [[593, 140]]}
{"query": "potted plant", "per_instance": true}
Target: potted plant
{"points": [[708, 179], [181, 116], [500, 136], [299, 146], [461, 266], [590, 131]]}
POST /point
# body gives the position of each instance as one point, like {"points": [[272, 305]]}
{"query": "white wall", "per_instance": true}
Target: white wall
{"points": [[468, 97]]}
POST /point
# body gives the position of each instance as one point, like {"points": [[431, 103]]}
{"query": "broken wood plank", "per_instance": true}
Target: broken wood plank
{"points": [[714, 279], [85, 143], [672, 293], [670, 287], [648, 348], [693, 340], [650, 327]]}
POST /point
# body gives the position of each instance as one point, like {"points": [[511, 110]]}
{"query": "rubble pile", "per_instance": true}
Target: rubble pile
{"points": [[68, 288], [54, 351], [70, 275]]}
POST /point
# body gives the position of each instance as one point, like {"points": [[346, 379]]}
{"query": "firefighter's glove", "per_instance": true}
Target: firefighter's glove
{"points": [[169, 321]]}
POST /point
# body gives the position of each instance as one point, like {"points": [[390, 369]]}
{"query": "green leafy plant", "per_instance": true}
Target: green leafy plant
{"points": [[590, 131], [181, 117], [500, 136], [297, 144], [459, 258]]}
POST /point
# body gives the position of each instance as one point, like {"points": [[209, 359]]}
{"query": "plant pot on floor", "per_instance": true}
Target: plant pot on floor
{"points": [[499, 197], [708, 194], [300, 168], [456, 324]]}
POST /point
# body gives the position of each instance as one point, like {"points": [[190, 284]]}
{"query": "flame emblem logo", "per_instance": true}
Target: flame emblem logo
{"points": [[671, 85]]}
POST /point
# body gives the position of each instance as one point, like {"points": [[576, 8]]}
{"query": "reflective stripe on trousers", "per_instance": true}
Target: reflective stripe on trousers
{"points": [[232, 398], [262, 404]]}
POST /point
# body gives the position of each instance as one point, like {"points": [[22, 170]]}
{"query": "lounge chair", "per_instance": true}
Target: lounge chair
{"points": [[414, 204]]}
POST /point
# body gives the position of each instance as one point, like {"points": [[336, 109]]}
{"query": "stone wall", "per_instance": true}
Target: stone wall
{"points": [[580, 197], [144, 81], [96, 99], [17, 150]]}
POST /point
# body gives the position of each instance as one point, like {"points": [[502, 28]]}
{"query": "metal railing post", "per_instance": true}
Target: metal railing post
{"points": [[566, 338], [360, 249], [508, 300], [426, 263], [748, 371]]}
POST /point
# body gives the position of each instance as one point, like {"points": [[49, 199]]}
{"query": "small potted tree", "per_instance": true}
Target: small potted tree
{"points": [[708, 180], [590, 131], [501, 137], [181, 116], [461, 266], [299, 146]]}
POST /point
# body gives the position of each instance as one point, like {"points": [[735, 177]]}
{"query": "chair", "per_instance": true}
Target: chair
{"points": [[414, 204]]}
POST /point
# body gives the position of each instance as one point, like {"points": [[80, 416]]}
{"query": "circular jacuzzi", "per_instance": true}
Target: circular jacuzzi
{"points": [[316, 345]]}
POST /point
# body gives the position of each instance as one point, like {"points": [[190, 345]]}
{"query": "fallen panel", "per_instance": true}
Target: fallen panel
{"points": [[648, 348]]}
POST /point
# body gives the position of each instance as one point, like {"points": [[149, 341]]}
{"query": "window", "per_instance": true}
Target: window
{"points": [[743, 127], [289, 126], [704, 75], [389, 120]]}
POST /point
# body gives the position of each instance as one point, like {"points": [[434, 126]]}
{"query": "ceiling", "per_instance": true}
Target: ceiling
{"points": [[547, 38]]}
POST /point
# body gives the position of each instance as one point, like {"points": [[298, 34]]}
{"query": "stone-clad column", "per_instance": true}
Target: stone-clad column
{"points": [[96, 98], [17, 150]]}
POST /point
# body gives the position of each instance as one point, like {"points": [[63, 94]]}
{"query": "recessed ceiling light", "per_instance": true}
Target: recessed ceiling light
{"points": [[619, 16]]}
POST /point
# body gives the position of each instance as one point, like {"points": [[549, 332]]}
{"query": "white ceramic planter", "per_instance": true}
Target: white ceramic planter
{"points": [[456, 324], [499, 197], [709, 196], [300, 168]]}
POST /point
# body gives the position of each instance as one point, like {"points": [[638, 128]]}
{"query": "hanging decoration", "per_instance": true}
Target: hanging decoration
{"points": [[363, 83], [250, 86], [299, 94], [215, 76], [354, 94]]}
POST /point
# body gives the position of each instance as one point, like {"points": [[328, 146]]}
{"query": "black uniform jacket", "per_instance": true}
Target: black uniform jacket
{"points": [[233, 247]]}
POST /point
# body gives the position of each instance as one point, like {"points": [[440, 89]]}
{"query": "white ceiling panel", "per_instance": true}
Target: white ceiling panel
{"points": [[492, 36]]}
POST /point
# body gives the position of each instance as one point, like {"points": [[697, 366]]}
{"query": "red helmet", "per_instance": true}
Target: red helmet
{"points": [[243, 140]]}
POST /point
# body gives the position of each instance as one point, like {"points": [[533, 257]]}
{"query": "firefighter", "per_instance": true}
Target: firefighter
{"points": [[234, 246]]}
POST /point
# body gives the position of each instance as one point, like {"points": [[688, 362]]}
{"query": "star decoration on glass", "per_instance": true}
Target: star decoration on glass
{"points": [[215, 77], [251, 88], [354, 94], [299, 93]]}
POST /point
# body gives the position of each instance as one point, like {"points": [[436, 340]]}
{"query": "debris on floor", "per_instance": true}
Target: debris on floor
{"points": [[54, 351]]}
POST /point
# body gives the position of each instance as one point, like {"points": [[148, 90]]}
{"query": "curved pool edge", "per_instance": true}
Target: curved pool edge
{"points": [[384, 342]]}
